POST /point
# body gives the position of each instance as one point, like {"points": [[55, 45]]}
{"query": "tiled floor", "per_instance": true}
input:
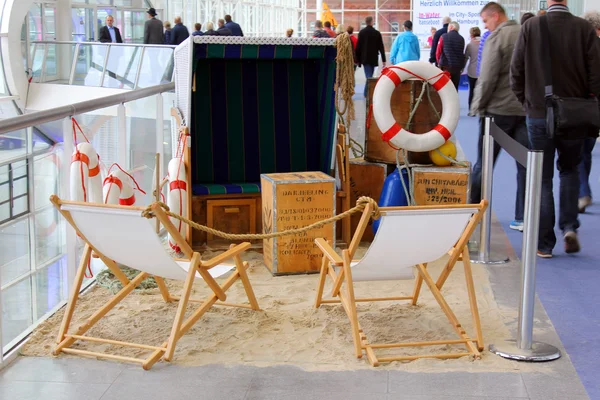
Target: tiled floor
{"points": [[70, 379]]}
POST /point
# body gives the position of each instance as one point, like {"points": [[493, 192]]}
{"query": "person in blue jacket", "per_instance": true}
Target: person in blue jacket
{"points": [[406, 46]]}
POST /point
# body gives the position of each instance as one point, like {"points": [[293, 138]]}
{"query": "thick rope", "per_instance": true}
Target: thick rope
{"points": [[361, 203], [344, 77]]}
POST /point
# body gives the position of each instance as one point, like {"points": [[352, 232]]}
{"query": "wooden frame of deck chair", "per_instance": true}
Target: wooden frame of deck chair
{"points": [[122, 235], [425, 233]]}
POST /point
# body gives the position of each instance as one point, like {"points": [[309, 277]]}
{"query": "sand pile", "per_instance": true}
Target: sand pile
{"points": [[289, 330]]}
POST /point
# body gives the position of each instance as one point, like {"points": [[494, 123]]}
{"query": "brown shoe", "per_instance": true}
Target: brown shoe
{"points": [[571, 242]]}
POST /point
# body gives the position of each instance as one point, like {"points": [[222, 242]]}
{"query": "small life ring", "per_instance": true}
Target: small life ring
{"points": [[177, 197], [392, 132], [117, 189], [86, 180]]}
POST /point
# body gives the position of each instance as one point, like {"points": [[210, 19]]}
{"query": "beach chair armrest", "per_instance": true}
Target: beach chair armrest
{"points": [[329, 252], [226, 256]]}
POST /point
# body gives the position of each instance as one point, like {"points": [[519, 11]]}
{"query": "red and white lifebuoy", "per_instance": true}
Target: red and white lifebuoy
{"points": [[86, 180], [117, 189], [45, 181], [392, 132], [177, 197]]}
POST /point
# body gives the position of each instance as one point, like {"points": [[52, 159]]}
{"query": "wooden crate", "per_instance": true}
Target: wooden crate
{"points": [[295, 200], [366, 179], [403, 97], [441, 185], [234, 213]]}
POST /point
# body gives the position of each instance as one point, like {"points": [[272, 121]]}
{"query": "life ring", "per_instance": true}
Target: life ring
{"points": [[117, 189], [392, 132], [177, 197], [86, 180], [45, 181]]}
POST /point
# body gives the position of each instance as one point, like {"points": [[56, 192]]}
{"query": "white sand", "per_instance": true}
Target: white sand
{"points": [[289, 330]]}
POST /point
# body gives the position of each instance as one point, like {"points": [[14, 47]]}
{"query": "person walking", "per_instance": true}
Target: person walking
{"points": [[153, 29], [471, 57], [494, 98], [575, 68], [452, 58], [436, 37], [327, 28], [210, 30], [223, 30], [179, 32], [406, 46], [319, 31], [109, 33], [368, 48], [167, 35], [197, 27], [585, 166], [235, 28]]}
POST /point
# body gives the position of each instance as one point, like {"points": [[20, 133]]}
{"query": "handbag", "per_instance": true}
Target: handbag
{"points": [[567, 117]]}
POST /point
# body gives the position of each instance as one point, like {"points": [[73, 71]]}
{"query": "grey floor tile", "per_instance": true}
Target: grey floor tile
{"points": [[51, 391], [398, 396], [76, 370], [206, 375], [553, 386], [293, 379], [268, 394], [171, 391], [458, 384]]}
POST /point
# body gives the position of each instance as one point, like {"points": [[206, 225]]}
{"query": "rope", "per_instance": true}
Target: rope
{"points": [[356, 148], [452, 160], [344, 77], [361, 203]]}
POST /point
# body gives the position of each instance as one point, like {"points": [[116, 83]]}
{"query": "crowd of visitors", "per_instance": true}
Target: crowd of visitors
{"points": [[159, 32]]}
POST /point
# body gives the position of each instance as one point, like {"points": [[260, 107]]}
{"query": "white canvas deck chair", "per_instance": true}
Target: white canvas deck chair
{"points": [[407, 239], [121, 235]]}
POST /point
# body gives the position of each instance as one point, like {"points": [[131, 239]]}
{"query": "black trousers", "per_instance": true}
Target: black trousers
{"points": [[472, 83], [454, 75]]}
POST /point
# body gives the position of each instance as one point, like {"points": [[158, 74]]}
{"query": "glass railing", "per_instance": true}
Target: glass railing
{"points": [[110, 65], [38, 252]]}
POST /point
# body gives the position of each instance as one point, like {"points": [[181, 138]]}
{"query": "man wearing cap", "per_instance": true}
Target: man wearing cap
{"points": [[153, 29]]}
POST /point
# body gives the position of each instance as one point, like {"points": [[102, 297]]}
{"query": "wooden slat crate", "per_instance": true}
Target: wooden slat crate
{"points": [[295, 200], [441, 185], [366, 179]]}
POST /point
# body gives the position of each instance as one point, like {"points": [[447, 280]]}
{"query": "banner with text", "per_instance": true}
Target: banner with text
{"points": [[428, 14]]}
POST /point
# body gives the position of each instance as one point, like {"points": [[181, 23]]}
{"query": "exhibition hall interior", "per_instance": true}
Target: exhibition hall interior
{"points": [[299, 199]]}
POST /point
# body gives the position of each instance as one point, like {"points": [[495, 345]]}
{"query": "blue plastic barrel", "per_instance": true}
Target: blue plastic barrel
{"points": [[392, 194]]}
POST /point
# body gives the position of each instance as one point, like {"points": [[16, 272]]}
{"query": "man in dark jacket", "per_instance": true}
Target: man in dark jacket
{"points": [[453, 53], [109, 33], [223, 30], [210, 30], [153, 29], [319, 31], [235, 28], [368, 47], [197, 32], [179, 32], [575, 66], [436, 39]]}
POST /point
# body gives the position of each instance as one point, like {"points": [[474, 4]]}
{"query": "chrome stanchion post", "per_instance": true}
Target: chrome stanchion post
{"points": [[524, 348], [482, 256]]}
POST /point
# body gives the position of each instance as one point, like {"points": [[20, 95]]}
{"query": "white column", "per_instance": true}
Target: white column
{"points": [[71, 239], [319, 8]]}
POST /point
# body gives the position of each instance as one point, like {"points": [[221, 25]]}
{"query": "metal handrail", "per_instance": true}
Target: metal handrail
{"points": [[53, 114], [102, 44]]}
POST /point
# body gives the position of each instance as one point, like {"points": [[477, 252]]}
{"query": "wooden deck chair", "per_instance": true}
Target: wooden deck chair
{"points": [[404, 241], [121, 235]]}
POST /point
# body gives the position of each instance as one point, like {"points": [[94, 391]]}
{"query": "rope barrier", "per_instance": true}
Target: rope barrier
{"points": [[361, 203]]}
